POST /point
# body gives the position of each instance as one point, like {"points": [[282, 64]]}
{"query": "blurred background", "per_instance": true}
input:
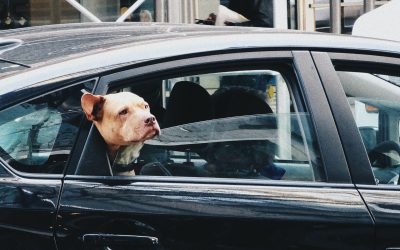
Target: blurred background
{"points": [[336, 16]]}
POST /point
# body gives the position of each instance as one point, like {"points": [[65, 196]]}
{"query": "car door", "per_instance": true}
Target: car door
{"points": [[313, 205], [369, 83], [28, 208], [36, 138]]}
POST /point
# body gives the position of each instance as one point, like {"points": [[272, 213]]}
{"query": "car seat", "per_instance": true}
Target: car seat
{"points": [[188, 102], [377, 154], [237, 101], [385, 159]]}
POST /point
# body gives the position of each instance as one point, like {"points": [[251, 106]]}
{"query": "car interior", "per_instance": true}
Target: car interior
{"points": [[373, 99]]}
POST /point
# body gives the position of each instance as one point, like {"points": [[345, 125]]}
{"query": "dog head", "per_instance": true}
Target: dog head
{"points": [[122, 118]]}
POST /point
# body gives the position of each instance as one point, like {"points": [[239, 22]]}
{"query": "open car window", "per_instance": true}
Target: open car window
{"points": [[235, 124]]}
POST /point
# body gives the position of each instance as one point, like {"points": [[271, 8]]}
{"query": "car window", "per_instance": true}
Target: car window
{"points": [[374, 101], [235, 124], [37, 136]]}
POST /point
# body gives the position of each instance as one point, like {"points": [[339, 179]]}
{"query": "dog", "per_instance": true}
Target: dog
{"points": [[125, 123]]}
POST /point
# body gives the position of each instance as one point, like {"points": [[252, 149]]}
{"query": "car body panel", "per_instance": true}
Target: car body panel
{"points": [[384, 204], [216, 216], [28, 209]]}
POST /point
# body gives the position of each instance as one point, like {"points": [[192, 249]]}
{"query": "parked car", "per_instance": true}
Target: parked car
{"points": [[261, 143]]}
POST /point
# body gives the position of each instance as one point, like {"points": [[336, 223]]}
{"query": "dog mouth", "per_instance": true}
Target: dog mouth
{"points": [[152, 131], [157, 131], [144, 133], [150, 134]]}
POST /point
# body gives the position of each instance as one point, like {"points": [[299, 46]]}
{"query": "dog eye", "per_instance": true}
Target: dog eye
{"points": [[146, 106], [123, 112]]}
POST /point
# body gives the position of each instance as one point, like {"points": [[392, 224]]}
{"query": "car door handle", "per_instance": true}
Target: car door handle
{"points": [[110, 240]]}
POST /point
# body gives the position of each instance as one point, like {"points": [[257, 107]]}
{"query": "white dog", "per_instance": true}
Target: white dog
{"points": [[124, 121]]}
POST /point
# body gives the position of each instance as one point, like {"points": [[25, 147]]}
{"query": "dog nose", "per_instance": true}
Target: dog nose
{"points": [[150, 120]]}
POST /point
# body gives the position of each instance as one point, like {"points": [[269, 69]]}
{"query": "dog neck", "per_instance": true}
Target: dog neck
{"points": [[124, 154]]}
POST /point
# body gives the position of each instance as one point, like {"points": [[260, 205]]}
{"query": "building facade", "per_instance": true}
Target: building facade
{"points": [[335, 16]]}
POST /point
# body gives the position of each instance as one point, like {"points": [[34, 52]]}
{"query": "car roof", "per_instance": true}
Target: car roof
{"points": [[49, 42], [67, 49]]}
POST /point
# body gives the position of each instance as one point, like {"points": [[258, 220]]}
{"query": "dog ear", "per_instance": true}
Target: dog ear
{"points": [[92, 105]]}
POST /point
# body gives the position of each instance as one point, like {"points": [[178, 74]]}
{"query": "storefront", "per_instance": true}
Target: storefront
{"points": [[321, 15], [14, 14], [24, 13]]}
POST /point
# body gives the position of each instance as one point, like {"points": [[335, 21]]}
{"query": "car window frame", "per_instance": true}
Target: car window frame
{"points": [[326, 63], [324, 126]]}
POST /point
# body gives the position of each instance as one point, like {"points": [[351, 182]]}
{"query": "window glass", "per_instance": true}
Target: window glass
{"points": [[237, 124], [37, 136], [374, 101]]}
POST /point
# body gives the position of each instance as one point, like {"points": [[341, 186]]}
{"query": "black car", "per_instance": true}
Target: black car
{"points": [[269, 139]]}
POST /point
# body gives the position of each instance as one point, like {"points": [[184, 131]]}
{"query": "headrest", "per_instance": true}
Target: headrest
{"points": [[188, 102], [237, 101]]}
